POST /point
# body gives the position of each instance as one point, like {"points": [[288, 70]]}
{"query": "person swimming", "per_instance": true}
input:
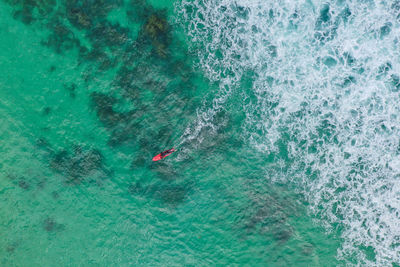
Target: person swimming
{"points": [[164, 154], [167, 152]]}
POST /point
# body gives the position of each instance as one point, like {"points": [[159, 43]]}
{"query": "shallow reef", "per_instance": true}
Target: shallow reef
{"points": [[157, 30], [61, 38], [50, 225], [46, 111], [77, 166], [167, 193], [71, 88], [173, 195], [28, 11], [103, 104], [144, 64], [270, 220]]}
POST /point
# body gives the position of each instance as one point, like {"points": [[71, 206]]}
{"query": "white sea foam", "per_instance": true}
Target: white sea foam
{"points": [[328, 86]]}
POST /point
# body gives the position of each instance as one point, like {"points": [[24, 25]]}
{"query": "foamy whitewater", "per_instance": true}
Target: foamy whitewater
{"points": [[325, 89]]}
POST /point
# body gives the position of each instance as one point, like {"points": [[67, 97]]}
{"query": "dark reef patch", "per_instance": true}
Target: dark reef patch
{"points": [[164, 171], [79, 165], [22, 183], [10, 248], [55, 195], [41, 183], [78, 14], [173, 195], [270, 220], [124, 133], [107, 34], [28, 11], [167, 193], [99, 56], [157, 30], [103, 105], [136, 189], [19, 181], [61, 38], [307, 249], [50, 225], [139, 10], [140, 161], [282, 235], [24, 15], [71, 88], [46, 111], [121, 125], [84, 14]]}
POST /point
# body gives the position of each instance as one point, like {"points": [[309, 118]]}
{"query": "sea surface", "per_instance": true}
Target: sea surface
{"points": [[285, 116]]}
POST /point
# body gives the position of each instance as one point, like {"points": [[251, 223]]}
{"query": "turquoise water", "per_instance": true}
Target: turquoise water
{"points": [[285, 116]]}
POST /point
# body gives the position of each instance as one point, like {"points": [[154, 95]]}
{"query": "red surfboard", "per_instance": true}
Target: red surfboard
{"points": [[164, 154]]}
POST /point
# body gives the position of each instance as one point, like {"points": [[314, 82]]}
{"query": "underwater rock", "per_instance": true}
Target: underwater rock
{"points": [[168, 194], [50, 225], [127, 80], [103, 105], [78, 17], [173, 195], [41, 184], [282, 235], [108, 34], [79, 165], [83, 14], [135, 189], [270, 220], [106, 64], [24, 15], [139, 10], [55, 195], [71, 88], [26, 8], [157, 30], [10, 248], [307, 249], [156, 26], [44, 146], [61, 38], [60, 161], [96, 54], [139, 162], [22, 183], [44, 7], [83, 164], [46, 111], [124, 133]]}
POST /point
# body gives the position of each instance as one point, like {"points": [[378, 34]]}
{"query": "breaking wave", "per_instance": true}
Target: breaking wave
{"points": [[324, 100]]}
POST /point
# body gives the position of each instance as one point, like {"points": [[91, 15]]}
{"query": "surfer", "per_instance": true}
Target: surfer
{"points": [[164, 154], [167, 152]]}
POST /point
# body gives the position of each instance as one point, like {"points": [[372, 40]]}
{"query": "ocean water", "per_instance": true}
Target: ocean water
{"points": [[285, 116]]}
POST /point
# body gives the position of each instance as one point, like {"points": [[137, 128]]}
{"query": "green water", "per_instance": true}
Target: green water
{"points": [[82, 114]]}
